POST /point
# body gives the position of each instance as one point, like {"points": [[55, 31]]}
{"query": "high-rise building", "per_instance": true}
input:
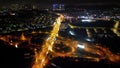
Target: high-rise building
{"points": [[58, 6]]}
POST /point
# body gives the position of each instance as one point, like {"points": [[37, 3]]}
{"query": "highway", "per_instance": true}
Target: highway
{"points": [[42, 56]]}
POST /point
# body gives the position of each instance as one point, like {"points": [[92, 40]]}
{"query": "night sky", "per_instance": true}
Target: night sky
{"points": [[60, 1], [46, 3]]}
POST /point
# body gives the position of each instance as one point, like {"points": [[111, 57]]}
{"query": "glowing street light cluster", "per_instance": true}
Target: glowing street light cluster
{"points": [[82, 46]]}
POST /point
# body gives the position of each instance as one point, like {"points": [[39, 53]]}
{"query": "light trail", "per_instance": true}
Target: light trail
{"points": [[42, 56]]}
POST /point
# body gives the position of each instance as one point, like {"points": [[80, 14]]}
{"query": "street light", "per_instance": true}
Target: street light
{"points": [[81, 46], [71, 32]]}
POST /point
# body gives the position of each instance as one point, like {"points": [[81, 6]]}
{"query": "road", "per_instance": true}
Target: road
{"points": [[42, 56], [116, 27]]}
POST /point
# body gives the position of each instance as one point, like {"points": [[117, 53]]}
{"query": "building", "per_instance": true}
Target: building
{"points": [[58, 7]]}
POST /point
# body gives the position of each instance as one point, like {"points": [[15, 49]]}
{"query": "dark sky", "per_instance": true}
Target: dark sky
{"points": [[49, 2], [65, 1], [60, 1]]}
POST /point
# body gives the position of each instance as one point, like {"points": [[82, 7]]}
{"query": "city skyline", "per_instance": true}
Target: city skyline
{"points": [[48, 3], [59, 34]]}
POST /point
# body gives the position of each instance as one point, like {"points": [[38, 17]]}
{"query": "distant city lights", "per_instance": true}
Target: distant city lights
{"points": [[86, 20]]}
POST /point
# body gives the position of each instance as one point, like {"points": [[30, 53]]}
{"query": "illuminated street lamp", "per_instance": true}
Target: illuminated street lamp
{"points": [[71, 32], [81, 46]]}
